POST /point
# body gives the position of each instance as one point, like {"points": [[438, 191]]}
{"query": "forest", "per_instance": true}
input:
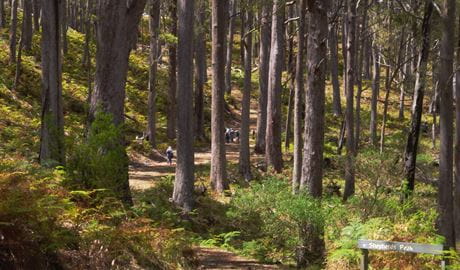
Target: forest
{"points": [[229, 134]]}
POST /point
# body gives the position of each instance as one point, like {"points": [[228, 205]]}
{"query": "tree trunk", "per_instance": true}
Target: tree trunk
{"points": [[334, 64], [312, 240], [2, 14], [218, 160], [13, 30], [445, 191], [184, 182], [264, 59], [19, 59], [52, 116], [410, 154], [64, 26], [273, 154], [116, 28], [298, 96], [171, 107], [244, 161], [385, 108], [229, 51], [457, 145], [36, 6], [290, 32], [375, 94], [200, 70], [349, 115], [27, 28], [154, 25]]}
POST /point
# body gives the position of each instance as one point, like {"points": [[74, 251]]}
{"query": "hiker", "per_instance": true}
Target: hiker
{"points": [[169, 155], [227, 135], [237, 136]]}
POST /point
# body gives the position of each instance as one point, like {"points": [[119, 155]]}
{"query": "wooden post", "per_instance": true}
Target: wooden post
{"points": [[443, 264], [364, 260]]}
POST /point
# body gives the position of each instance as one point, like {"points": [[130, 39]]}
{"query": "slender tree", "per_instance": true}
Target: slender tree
{"points": [[264, 59], [27, 27], [183, 184], [218, 159], [52, 117], [410, 154], [229, 47], [154, 24], [116, 28], [37, 11], [457, 142], [2, 14], [298, 96], [13, 30], [172, 50], [273, 154], [200, 69], [244, 160], [445, 188], [375, 94], [334, 65]]}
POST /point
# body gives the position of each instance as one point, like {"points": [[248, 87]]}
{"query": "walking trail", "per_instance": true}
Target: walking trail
{"points": [[144, 172]]}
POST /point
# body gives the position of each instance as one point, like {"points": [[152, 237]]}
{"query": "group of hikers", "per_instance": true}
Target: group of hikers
{"points": [[231, 135]]}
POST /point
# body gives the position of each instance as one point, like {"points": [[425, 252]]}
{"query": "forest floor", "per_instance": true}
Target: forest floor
{"points": [[145, 171]]}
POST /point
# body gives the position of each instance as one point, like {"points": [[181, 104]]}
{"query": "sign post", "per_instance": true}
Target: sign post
{"points": [[366, 245]]}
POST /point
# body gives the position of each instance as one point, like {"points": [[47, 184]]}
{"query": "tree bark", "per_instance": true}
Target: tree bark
{"points": [[312, 239], [298, 96], [116, 28], [244, 160], [184, 182], [457, 144], [375, 94], [52, 116], [229, 49], [410, 154], [37, 8], [264, 59], [273, 154], [27, 28], [200, 70], [2, 14], [13, 30], [349, 115], [445, 191], [154, 25], [64, 26], [19, 58], [172, 49], [218, 160], [334, 64]]}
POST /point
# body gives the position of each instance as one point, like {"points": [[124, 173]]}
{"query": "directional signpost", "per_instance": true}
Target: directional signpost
{"points": [[366, 245]]}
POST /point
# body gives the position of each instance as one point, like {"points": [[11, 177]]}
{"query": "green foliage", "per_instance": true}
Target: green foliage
{"points": [[100, 162], [269, 217]]}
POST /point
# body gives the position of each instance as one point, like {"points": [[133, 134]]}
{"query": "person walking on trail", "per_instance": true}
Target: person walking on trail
{"points": [[169, 155]]}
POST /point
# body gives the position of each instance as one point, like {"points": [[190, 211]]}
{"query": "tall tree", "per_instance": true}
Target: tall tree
{"points": [[312, 168], [200, 69], [183, 184], [244, 160], [27, 28], [410, 154], [349, 117], [457, 142], [264, 59], [52, 116], [334, 63], [116, 28], [298, 95], [218, 160], [375, 93], [172, 50], [154, 24], [37, 9], [229, 48], [2, 14], [13, 30], [445, 188], [273, 154]]}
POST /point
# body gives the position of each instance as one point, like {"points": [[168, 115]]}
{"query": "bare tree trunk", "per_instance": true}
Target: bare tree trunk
{"points": [[19, 59], [264, 59], [27, 27], [52, 116], [445, 188], [218, 160], [229, 51], [290, 32], [200, 70], [334, 64], [171, 107], [298, 96], [2, 14], [64, 25], [375, 94], [385, 108], [184, 182], [154, 25], [36, 6], [349, 115], [116, 28], [13, 30], [311, 235], [410, 154], [457, 145], [273, 154], [244, 160]]}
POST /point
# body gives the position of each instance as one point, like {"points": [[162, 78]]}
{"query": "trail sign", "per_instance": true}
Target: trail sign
{"points": [[366, 245]]}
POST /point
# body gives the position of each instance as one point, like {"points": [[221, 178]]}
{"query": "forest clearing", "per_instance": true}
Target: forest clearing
{"points": [[229, 134]]}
